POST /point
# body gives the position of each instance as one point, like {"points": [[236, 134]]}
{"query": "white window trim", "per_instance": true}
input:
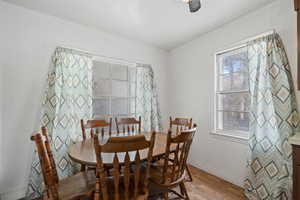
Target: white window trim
{"points": [[234, 134]]}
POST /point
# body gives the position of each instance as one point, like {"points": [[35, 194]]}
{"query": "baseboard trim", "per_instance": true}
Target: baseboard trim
{"points": [[15, 194]]}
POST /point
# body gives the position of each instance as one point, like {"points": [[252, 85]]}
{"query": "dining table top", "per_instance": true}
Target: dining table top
{"points": [[84, 153]]}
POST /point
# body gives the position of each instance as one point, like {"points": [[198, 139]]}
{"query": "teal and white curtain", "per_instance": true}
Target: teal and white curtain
{"points": [[273, 119], [68, 99], [147, 105]]}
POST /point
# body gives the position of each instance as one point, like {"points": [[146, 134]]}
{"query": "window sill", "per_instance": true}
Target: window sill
{"points": [[234, 136]]}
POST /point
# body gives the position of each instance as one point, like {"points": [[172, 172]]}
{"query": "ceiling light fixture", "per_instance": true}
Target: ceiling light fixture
{"points": [[194, 5]]}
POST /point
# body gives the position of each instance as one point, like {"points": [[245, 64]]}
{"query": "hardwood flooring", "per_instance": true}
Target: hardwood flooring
{"points": [[208, 187]]}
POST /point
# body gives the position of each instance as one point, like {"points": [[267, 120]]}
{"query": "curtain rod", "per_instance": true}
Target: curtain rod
{"points": [[103, 56], [243, 42], [270, 32]]}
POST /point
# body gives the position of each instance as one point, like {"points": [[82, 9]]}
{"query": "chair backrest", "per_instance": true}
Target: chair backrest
{"points": [[175, 171], [181, 124], [94, 126], [47, 163], [128, 125], [128, 179]]}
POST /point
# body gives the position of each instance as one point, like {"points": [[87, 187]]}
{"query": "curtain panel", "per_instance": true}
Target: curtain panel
{"points": [[147, 105], [273, 119], [68, 98]]}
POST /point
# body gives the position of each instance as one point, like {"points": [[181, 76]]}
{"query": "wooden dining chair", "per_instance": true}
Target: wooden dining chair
{"points": [[78, 186], [182, 124], [129, 180], [128, 125], [94, 126], [172, 171]]}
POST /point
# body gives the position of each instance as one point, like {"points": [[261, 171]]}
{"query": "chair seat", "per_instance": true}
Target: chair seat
{"points": [[156, 172], [157, 168], [157, 187], [78, 186]]}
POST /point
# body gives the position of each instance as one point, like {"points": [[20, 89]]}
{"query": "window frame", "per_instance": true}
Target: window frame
{"points": [[111, 97], [235, 134]]}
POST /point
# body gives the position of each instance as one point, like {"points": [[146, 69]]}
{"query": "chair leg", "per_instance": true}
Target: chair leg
{"points": [[184, 191], [189, 174], [97, 193], [166, 196], [181, 190]]}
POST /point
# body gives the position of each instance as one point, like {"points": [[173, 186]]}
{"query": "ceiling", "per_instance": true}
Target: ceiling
{"points": [[163, 23]]}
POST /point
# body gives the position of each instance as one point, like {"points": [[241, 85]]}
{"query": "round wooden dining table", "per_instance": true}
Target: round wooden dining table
{"points": [[84, 153]]}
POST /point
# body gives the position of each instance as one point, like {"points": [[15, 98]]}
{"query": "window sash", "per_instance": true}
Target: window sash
{"points": [[219, 91], [128, 98], [232, 111], [232, 91]]}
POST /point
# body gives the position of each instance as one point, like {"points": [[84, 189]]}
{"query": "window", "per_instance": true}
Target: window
{"points": [[114, 90], [232, 93]]}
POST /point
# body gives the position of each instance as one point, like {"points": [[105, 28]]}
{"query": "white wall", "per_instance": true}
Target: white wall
{"points": [[191, 75], [1, 122], [1, 102], [29, 39]]}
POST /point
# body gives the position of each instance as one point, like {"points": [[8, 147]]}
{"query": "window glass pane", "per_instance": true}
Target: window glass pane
{"points": [[132, 74], [225, 82], [239, 66], [119, 88], [101, 70], [235, 81], [118, 72], [112, 85], [101, 107], [132, 90], [241, 81], [119, 106], [102, 87], [132, 105], [234, 102], [233, 61], [233, 121]]}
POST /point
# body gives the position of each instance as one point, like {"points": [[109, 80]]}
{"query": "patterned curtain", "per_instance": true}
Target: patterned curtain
{"points": [[68, 99], [274, 118], [147, 101]]}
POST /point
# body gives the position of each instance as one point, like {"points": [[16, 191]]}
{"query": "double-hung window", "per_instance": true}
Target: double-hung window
{"points": [[114, 90], [232, 93]]}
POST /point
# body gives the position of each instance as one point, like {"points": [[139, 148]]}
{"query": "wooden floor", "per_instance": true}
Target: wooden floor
{"points": [[209, 187]]}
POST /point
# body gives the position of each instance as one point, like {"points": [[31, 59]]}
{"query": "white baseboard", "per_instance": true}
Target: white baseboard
{"points": [[14, 194]]}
